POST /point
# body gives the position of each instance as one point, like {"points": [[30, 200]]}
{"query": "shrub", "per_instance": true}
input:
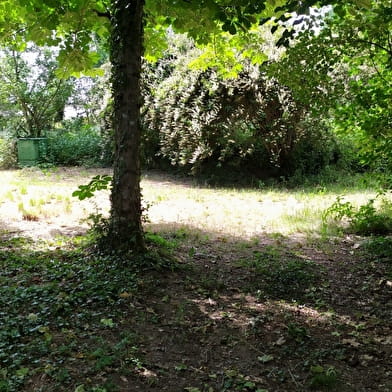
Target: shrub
{"points": [[8, 158], [207, 124], [77, 144], [366, 219]]}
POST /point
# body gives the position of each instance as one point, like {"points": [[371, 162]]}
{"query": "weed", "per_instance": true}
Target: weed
{"points": [[160, 241], [10, 195], [230, 381], [322, 378], [28, 214], [210, 286], [67, 205], [381, 247], [297, 332]]}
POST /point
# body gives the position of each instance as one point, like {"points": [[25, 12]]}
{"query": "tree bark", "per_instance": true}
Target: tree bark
{"points": [[125, 231]]}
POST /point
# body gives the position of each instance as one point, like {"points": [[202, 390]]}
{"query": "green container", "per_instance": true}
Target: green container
{"points": [[31, 150]]}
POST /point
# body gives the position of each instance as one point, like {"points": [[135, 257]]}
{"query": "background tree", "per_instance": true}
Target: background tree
{"points": [[32, 97], [207, 123]]}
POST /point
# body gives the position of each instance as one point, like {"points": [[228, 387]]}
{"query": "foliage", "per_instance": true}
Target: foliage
{"points": [[326, 379], [77, 144], [381, 247], [281, 275], [97, 183], [7, 153], [366, 219], [342, 71], [196, 118], [54, 314], [32, 98]]}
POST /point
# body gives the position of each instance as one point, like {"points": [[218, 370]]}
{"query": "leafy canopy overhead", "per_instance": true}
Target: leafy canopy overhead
{"points": [[73, 24]]}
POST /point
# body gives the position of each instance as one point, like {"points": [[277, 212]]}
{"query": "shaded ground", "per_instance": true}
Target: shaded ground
{"points": [[222, 326], [273, 313]]}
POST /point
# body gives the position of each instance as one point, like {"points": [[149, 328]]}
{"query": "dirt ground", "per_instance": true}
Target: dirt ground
{"points": [[215, 324]]}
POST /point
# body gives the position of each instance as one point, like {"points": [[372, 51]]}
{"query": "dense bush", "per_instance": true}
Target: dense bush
{"points": [[77, 144], [200, 121], [367, 219]]}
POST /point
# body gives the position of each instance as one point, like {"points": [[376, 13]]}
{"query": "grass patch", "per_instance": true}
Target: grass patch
{"points": [[281, 275]]}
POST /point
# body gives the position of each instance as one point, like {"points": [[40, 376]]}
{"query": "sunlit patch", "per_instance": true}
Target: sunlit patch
{"points": [[146, 373], [305, 311]]}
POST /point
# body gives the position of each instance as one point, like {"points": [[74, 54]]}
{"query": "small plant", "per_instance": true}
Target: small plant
{"points": [[23, 190], [67, 205], [232, 381], [363, 220], [7, 155], [27, 214], [160, 241], [322, 378], [297, 332]]}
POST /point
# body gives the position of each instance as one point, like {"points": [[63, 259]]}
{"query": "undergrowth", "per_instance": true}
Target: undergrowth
{"points": [[281, 275], [61, 313], [367, 219]]}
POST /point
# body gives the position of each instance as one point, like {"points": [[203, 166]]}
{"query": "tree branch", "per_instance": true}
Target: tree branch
{"points": [[377, 45]]}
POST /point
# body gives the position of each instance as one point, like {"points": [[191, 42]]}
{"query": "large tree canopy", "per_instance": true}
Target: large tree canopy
{"points": [[32, 98], [74, 25], [344, 74]]}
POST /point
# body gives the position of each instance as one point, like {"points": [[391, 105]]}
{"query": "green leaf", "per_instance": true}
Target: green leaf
{"points": [[363, 3], [266, 358], [249, 384], [317, 369], [22, 372], [107, 322]]}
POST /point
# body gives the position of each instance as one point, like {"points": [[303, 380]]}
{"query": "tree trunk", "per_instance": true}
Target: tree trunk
{"points": [[126, 231]]}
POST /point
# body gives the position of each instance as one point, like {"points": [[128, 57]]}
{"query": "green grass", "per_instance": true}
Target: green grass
{"points": [[278, 274], [250, 212]]}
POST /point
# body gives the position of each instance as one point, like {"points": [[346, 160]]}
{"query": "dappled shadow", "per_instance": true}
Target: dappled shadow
{"points": [[226, 319], [216, 320], [238, 310]]}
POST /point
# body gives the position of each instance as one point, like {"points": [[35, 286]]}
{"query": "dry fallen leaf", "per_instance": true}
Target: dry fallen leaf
{"points": [[281, 341], [351, 342]]}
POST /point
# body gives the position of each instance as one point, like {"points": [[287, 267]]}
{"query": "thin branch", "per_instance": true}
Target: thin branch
{"points": [[376, 45], [378, 71]]}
